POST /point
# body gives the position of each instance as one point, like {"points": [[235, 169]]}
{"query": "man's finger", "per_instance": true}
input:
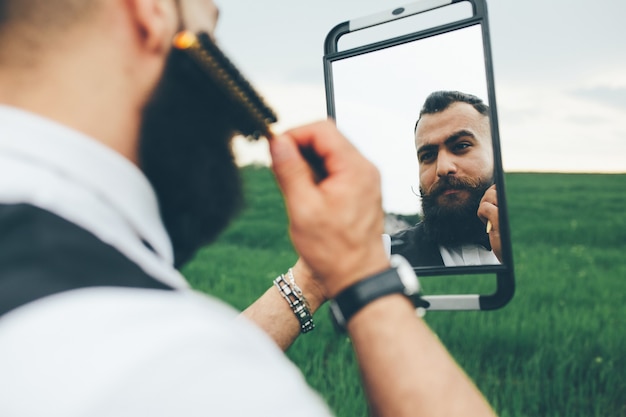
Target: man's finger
{"points": [[488, 213], [324, 141], [292, 172], [490, 196]]}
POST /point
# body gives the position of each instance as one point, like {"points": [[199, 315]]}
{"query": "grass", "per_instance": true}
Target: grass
{"points": [[558, 349]]}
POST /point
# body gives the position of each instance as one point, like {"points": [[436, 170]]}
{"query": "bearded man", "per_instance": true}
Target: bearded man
{"points": [[459, 201], [115, 167]]}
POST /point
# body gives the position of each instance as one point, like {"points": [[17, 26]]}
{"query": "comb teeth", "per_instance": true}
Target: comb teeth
{"points": [[228, 78]]}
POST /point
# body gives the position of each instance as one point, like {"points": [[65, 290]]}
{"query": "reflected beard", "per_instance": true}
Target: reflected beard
{"points": [[185, 152], [456, 223]]}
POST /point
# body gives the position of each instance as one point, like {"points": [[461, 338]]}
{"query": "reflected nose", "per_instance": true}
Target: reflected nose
{"points": [[445, 164]]}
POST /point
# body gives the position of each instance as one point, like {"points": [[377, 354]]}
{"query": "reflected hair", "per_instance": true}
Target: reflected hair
{"points": [[438, 101]]}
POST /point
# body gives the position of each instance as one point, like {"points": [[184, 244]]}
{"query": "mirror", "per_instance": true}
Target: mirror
{"points": [[421, 106]]}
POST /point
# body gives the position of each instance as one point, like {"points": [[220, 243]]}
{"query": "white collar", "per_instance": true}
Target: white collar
{"points": [[113, 178], [467, 255]]}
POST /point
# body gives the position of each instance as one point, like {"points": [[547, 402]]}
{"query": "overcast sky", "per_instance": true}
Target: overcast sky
{"points": [[560, 70]]}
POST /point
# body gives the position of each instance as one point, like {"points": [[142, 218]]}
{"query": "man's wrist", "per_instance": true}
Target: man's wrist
{"points": [[294, 297], [311, 289], [337, 281], [398, 279]]}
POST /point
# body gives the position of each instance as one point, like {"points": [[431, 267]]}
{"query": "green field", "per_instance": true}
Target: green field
{"points": [[558, 349]]}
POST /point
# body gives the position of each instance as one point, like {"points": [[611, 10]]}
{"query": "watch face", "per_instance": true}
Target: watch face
{"points": [[406, 274]]}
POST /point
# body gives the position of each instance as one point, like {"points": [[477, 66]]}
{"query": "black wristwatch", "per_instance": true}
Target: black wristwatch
{"points": [[400, 278]]}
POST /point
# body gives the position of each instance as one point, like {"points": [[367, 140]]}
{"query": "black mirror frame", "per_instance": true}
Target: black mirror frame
{"points": [[505, 281]]}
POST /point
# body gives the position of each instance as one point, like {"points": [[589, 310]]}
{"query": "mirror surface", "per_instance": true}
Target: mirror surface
{"points": [[377, 97]]}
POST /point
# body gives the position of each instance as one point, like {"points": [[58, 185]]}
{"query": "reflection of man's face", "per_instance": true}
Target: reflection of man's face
{"points": [[455, 142], [455, 157]]}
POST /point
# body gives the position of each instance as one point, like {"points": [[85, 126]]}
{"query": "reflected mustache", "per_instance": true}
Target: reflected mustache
{"points": [[452, 183]]}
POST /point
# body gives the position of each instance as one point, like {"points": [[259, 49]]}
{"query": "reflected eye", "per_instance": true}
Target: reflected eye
{"points": [[461, 146], [426, 157]]}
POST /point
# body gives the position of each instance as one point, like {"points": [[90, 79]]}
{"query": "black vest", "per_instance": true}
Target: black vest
{"points": [[43, 254], [416, 247]]}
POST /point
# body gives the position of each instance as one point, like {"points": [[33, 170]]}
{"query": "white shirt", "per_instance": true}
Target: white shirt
{"points": [[124, 351], [467, 255], [463, 255]]}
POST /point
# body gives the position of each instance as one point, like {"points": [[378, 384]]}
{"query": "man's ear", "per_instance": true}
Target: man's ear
{"points": [[156, 22]]}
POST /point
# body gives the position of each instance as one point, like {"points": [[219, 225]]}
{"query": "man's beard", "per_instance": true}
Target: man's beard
{"points": [[455, 222], [185, 152]]}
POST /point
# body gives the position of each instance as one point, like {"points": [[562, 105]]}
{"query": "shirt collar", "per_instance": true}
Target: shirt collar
{"points": [[115, 180]]}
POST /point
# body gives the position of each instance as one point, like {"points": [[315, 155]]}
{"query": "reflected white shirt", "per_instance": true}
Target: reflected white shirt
{"points": [[467, 255]]}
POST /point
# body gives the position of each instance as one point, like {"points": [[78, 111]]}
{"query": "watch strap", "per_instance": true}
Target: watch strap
{"points": [[352, 299]]}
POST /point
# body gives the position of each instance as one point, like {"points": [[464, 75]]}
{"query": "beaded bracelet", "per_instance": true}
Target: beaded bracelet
{"points": [[298, 304]]}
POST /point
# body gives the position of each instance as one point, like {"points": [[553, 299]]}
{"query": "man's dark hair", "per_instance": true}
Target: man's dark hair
{"points": [[440, 100]]}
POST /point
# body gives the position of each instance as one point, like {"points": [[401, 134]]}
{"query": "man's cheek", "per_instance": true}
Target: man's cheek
{"points": [[487, 175], [426, 178]]}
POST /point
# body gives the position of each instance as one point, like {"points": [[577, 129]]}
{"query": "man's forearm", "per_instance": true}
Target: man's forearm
{"points": [[272, 313], [392, 344], [406, 370]]}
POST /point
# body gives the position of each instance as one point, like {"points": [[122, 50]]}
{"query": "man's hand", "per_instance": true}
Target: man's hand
{"points": [[488, 213], [335, 224], [199, 16], [336, 221]]}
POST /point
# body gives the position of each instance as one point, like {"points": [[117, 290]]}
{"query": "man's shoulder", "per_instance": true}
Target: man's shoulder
{"points": [[414, 244], [415, 231], [155, 352], [411, 236]]}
